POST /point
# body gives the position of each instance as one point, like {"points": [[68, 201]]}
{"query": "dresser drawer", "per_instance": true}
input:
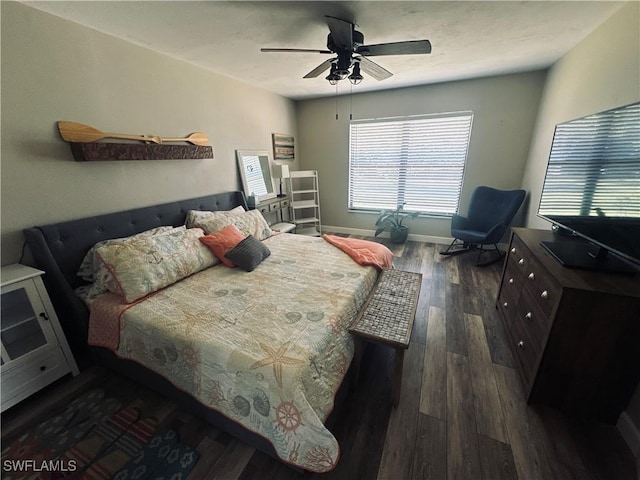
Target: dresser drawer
{"points": [[519, 254], [263, 209], [543, 289], [274, 206], [525, 349], [28, 377], [533, 320], [510, 291]]}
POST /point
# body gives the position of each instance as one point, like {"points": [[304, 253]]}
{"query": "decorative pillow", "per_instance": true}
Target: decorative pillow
{"points": [[222, 241], [91, 264], [141, 267], [195, 216], [249, 223], [249, 253]]}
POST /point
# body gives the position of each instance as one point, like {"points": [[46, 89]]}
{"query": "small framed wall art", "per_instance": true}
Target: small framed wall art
{"points": [[283, 146]]}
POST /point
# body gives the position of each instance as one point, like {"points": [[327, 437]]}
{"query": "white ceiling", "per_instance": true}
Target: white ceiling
{"points": [[469, 39]]}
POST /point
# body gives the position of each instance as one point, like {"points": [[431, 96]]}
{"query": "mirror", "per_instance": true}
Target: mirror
{"points": [[255, 171]]}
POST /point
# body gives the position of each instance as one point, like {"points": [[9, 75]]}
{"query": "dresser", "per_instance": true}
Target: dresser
{"points": [[34, 349], [575, 334]]}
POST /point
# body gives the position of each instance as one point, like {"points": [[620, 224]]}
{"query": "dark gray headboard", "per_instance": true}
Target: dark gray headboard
{"points": [[59, 248]]}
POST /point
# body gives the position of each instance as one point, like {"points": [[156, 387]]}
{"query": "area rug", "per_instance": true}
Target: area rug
{"points": [[96, 438]]}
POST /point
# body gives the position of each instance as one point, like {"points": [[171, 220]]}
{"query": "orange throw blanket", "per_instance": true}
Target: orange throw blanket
{"points": [[363, 252]]}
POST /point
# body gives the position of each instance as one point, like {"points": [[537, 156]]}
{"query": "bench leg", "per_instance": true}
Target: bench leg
{"points": [[397, 373], [357, 361]]}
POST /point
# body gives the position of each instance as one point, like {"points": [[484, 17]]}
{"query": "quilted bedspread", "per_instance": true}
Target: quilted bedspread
{"points": [[268, 349]]}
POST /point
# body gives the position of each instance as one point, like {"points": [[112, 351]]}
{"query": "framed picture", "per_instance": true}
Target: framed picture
{"points": [[283, 146]]}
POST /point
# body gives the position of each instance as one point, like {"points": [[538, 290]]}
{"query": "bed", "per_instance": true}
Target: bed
{"points": [[261, 354]]}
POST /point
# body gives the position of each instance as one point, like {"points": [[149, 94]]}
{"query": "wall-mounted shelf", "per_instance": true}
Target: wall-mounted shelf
{"points": [[95, 152]]}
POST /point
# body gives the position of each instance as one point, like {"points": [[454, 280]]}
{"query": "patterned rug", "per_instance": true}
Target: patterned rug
{"points": [[95, 438]]}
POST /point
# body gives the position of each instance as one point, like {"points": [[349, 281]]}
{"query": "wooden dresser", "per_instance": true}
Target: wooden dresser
{"points": [[575, 334]]}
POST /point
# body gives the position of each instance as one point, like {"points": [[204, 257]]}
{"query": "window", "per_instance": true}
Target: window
{"points": [[418, 161]]}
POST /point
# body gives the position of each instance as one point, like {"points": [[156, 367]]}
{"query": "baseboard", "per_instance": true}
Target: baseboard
{"points": [[630, 432], [370, 233]]}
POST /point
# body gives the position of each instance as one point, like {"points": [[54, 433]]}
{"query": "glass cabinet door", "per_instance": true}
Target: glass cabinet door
{"points": [[23, 329]]}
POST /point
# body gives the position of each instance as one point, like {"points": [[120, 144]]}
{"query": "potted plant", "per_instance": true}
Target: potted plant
{"points": [[392, 220]]}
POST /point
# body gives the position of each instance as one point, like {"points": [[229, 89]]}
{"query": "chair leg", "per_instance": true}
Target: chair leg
{"points": [[464, 248], [492, 261]]}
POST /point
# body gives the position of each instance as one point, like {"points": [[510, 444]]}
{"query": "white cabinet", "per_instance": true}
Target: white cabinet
{"points": [[305, 202], [34, 349]]}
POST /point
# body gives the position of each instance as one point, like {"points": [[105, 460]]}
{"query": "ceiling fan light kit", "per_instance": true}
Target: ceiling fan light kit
{"points": [[347, 44], [355, 78]]}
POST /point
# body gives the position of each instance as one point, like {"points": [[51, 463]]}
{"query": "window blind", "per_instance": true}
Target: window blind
{"points": [[416, 161]]}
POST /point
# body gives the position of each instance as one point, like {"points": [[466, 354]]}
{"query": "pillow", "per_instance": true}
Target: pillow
{"points": [[195, 216], [222, 241], [248, 254], [249, 223], [91, 264], [142, 266]]}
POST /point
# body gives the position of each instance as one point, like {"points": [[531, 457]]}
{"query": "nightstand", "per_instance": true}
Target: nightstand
{"points": [[35, 351], [275, 211]]}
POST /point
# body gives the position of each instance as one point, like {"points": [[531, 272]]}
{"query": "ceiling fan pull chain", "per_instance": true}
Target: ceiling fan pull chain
{"points": [[336, 101], [351, 102]]}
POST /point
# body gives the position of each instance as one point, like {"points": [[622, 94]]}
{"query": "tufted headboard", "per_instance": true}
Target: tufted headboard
{"points": [[59, 248]]}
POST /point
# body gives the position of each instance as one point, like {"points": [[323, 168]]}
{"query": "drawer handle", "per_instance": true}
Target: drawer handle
{"points": [[43, 368], [44, 316], [544, 295], [505, 305], [513, 250], [528, 316], [521, 345], [521, 261], [511, 281], [532, 276]]}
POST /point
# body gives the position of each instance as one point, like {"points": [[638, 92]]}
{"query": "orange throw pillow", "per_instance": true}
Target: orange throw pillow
{"points": [[222, 241]]}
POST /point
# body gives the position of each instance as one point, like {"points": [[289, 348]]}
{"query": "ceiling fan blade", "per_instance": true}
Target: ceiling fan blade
{"points": [[302, 50], [410, 47], [319, 69], [341, 32], [373, 69]]}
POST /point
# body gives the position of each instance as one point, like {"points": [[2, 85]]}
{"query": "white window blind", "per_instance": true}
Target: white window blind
{"points": [[418, 161]]}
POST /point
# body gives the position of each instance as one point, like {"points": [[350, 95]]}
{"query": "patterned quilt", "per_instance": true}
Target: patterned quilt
{"points": [[268, 349]]}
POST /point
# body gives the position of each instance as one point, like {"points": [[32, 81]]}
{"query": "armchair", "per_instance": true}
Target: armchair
{"points": [[490, 213]]}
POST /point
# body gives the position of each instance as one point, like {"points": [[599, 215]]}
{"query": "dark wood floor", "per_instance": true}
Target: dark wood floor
{"points": [[462, 413]]}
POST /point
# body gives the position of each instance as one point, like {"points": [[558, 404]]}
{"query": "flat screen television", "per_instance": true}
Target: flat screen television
{"points": [[592, 190]]}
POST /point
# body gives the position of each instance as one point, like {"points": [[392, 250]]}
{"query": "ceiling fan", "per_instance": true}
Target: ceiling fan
{"points": [[347, 44]]}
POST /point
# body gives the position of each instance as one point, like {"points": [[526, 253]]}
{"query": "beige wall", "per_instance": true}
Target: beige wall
{"points": [[504, 109], [602, 72], [56, 70]]}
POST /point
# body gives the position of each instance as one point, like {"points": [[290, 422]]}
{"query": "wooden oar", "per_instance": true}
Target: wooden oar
{"points": [[197, 138], [77, 132]]}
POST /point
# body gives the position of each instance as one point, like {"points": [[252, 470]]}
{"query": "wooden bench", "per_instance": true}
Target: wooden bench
{"points": [[387, 318]]}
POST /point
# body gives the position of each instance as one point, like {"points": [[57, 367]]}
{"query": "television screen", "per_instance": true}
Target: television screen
{"points": [[592, 187]]}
